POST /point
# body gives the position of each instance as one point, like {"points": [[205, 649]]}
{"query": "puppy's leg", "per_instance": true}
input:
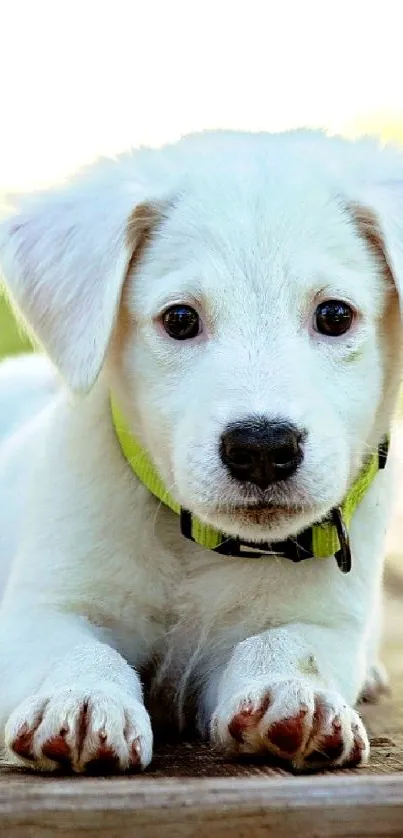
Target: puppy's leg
{"points": [[376, 677], [67, 698], [289, 692]]}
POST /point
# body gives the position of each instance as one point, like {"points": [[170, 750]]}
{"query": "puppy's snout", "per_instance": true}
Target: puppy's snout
{"points": [[261, 452]]}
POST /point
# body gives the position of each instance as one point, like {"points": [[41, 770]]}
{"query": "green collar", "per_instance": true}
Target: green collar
{"points": [[321, 540]]}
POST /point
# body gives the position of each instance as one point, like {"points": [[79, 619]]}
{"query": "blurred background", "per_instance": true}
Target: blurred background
{"points": [[79, 79], [83, 79]]}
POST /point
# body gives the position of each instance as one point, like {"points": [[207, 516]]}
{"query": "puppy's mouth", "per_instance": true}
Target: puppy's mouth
{"points": [[259, 512]]}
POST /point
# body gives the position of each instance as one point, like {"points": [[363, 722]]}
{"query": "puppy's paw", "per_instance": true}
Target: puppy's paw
{"points": [[101, 731], [307, 727], [376, 683]]}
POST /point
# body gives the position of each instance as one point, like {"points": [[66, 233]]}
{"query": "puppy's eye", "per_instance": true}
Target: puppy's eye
{"points": [[181, 322], [333, 318]]}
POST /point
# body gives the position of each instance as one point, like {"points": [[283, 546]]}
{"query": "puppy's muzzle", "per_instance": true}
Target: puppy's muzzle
{"points": [[261, 452]]}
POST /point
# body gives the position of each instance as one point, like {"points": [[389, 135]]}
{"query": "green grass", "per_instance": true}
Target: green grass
{"points": [[11, 340]]}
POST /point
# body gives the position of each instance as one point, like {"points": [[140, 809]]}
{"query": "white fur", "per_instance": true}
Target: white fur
{"points": [[254, 232]]}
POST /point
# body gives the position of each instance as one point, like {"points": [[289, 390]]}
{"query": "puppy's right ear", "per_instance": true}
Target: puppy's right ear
{"points": [[65, 254]]}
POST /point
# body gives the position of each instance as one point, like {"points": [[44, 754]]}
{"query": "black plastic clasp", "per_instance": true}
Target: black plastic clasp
{"points": [[343, 556], [232, 547], [296, 549]]}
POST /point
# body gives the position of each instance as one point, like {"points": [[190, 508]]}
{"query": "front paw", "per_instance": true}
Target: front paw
{"points": [[96, 730], [308, 727]]}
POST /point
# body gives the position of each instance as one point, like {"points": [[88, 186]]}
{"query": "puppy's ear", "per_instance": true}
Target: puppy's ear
{"points": [[378, 216], [65, 255]]}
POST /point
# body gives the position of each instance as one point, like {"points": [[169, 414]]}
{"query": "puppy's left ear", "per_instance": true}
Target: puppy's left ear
{"points": [[65, 255], [378, 215]]}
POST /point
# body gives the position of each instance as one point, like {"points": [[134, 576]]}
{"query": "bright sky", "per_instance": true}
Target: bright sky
{"points": [[79, 78]]}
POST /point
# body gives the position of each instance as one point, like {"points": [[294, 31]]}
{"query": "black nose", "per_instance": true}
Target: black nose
{"points": [[261, 452]]}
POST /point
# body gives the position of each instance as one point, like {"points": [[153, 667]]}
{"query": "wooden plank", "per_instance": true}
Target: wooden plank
{"points": [[327, 806]]}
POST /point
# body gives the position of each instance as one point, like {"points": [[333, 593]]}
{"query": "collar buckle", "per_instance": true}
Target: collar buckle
{"points": [[296, 549]]}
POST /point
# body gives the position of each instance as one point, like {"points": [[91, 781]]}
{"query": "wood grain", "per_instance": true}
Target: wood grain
{"points": [[326, 806]]}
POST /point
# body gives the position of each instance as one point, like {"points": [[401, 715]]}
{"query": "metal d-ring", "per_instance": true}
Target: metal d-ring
{"points": [[343, 556]]}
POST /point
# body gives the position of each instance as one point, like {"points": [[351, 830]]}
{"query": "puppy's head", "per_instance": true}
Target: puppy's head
{"points": [[239, 293]]}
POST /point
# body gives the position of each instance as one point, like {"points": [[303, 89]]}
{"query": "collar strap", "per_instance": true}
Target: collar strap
{"points": [[326, 538]]}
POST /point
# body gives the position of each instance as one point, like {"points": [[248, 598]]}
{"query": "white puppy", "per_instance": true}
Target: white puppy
{"points": [[236, 296]]}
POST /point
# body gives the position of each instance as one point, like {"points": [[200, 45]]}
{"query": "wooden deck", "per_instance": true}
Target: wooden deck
{"points": [[189, 791]]}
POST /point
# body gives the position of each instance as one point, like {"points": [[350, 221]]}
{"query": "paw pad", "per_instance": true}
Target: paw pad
{"points": [[288, 734]]}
